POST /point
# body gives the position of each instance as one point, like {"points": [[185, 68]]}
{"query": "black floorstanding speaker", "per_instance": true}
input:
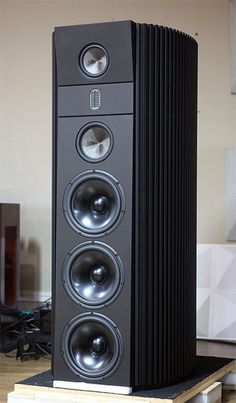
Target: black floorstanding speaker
{"points": [[124, 206]]}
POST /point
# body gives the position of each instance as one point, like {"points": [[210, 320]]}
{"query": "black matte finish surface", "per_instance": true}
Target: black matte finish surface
{"points": [[204, 367], [75, 101], [164, 298], [115, 38], [149, 91], [68, 164]]}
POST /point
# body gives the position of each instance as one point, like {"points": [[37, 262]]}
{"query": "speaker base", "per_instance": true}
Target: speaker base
{"points": [[94, 387]]}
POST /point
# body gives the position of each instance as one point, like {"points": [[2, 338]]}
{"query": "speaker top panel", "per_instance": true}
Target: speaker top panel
{"points": [[94, 53]]}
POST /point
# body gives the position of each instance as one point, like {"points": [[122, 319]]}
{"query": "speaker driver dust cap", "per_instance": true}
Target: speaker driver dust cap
{"points": [[92, 346], [94, 203], [93, 274]]}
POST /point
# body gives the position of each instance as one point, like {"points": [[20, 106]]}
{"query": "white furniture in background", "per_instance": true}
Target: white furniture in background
{"points": [[230, 194], [216, 292]]}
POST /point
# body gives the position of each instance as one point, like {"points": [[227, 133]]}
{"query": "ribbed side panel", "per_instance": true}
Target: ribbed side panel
{"points": [[164, 304]]}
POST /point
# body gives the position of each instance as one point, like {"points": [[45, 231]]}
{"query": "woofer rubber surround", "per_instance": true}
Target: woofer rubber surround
{"points": [[80, 198], [79, 267], [77, 341]]}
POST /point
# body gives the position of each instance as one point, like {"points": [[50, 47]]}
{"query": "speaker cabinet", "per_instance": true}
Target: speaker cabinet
{"points": [[9, 255], [124, 206]]}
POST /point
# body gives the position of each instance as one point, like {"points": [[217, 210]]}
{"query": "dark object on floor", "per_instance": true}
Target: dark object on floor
{"points": [[205, 367], [45, 320], [16, 324], [33, 345], [26, 348], [8, 339]]}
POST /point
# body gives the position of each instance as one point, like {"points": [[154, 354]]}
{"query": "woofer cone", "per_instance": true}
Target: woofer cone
{"points": [[92, 346], [93, 274], [94, 203]]}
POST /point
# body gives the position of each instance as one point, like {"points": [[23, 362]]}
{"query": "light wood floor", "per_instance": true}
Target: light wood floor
{"points": [[12, 371]]}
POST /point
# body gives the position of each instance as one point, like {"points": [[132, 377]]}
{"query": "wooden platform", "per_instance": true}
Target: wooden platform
{"points": [[39, 388]]}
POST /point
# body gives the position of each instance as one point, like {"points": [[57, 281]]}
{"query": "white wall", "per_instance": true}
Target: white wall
{"points": [[25, 152]]}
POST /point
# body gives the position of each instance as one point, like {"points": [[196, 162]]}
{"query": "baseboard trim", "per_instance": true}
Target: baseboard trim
{"points": [[35, 296]]}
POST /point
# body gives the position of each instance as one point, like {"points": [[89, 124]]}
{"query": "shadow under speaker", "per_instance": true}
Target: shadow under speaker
{"points": [[124, 206]]}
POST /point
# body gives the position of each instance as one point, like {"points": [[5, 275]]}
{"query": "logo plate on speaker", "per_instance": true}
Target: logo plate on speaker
{"points": [[95, 99]]}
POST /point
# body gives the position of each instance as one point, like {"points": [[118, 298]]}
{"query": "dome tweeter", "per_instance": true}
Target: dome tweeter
{"points": [[94, 60], [94, 142]]}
